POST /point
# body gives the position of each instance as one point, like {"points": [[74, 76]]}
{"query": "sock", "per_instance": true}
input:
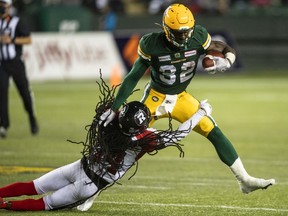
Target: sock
{"points": [[239, 171], [223, 146], [25, 205], [18, 189]]}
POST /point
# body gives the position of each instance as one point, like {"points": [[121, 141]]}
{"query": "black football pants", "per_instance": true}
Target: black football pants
{"points": [[16, 70]]}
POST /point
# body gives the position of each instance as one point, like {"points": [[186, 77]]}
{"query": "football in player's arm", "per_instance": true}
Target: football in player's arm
{"points": [[172, 56]]}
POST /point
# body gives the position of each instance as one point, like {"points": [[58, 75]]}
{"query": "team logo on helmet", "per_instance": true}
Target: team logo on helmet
{"points": [[140, 117], [123, 110]]}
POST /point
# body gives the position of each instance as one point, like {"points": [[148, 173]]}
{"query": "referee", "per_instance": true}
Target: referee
{"points": [[13, 35]]}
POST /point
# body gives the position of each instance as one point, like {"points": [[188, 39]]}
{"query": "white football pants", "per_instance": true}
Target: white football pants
{"points": [[68, 184]]}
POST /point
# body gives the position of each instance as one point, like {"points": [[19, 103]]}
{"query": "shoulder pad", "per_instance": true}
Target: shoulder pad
{"points": [[202, 36], [147, 44]]}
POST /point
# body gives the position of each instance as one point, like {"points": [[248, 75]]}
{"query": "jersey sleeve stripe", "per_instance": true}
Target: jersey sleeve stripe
{"points": [[143, 55], [207, 42]]}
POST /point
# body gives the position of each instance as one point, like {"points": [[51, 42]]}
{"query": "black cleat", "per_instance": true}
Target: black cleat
{"points": [[34, 126]]}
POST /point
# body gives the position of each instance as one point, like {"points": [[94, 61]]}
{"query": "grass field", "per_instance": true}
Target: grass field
{"points": [[251, 110]]}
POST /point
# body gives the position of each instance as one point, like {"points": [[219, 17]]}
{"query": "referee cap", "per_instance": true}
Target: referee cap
{"points": [[6, 1]]}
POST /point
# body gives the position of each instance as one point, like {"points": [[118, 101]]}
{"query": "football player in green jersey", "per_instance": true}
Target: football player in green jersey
{"points": [[172, 57]]}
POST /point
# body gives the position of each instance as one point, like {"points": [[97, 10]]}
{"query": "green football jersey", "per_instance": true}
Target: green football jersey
{"points": [[172, 69]]}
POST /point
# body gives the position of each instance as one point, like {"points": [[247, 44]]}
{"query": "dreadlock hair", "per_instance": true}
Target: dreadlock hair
{"points": [[170, 137], [97, 149], [106, 146]]}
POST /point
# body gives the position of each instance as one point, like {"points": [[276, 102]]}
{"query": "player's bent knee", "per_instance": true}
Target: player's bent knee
{"points": [[205, 126]]}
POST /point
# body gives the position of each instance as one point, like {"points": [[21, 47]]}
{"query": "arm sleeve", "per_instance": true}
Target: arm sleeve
{"points": [[129, 83], [192, 122], [185, 128]]}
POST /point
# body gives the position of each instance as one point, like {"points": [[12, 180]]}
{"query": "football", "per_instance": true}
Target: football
{"points": [[208, 61]]}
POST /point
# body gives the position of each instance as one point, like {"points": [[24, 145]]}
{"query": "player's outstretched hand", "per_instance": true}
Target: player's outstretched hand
{"points": [[107, 117], [204, 105]]}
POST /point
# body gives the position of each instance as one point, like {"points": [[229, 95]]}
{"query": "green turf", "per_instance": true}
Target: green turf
{"points": [[251, 111]]}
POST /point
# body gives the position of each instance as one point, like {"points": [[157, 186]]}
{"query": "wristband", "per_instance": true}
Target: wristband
{"points": [[230, 57]]}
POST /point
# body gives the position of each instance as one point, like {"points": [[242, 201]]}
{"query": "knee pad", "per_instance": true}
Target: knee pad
{"points": [[205, 126]]}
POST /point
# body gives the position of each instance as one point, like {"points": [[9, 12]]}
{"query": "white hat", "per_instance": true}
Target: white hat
{"points": [[6, 1]]}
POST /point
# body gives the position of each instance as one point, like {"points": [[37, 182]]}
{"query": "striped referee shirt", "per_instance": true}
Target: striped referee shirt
{"points": [[12, 26]]}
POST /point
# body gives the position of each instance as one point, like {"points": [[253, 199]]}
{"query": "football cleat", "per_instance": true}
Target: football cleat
{"points": [[253, 184], [34, 128], [5, 204]]}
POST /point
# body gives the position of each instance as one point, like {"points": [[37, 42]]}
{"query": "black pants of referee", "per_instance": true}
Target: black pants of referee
{"points": [[15, 69]]}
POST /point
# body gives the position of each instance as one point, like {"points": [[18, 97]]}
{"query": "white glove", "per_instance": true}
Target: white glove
{"points": [[204, 105], [87, 204], [107, 117], [222, 64], [212, 69]]}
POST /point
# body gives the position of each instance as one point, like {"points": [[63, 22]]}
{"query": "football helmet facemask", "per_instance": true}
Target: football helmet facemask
{"points": [[134, 118], [178, 24]]}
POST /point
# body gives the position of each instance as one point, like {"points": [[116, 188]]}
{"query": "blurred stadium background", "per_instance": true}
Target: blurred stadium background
{"points": [[256, 28]]}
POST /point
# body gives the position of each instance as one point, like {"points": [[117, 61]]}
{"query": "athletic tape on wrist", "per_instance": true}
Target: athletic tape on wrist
{"points": [[231, 57]]}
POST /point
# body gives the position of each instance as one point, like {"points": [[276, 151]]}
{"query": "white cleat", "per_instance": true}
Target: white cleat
{"points": [[253, 184]]}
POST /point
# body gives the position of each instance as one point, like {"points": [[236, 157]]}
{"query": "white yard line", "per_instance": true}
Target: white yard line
{"points": [[145, 187], [209, 159], [195, 206]]}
